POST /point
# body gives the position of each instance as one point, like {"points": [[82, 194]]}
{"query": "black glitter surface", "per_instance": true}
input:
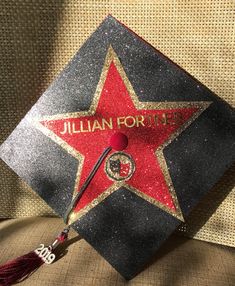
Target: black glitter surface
{"points": [[124, 228]]}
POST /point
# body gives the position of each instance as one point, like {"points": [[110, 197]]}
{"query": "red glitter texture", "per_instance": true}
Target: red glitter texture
{"points": [[115, 102]]}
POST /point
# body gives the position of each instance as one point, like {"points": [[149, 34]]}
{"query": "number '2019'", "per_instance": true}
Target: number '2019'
{"points": [[45, 253]]}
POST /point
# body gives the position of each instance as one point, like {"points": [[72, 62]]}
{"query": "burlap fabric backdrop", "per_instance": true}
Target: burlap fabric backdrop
{"points": [[39, 37]]}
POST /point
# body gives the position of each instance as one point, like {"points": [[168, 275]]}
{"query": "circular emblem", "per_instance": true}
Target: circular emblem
{"points": [[119, 166]]}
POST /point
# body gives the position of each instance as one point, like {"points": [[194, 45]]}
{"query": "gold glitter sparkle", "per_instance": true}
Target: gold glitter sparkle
{"points": [[112, 57]]}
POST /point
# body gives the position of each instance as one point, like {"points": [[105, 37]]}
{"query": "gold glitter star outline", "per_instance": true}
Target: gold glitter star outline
{"points": [[112, 57]]}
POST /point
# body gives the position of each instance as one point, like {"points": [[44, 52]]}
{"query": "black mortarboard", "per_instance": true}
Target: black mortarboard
{"points": [[180, 142]]}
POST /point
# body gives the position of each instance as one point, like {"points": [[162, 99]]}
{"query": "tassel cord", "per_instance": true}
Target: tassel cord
{"points": [[19, 269]]}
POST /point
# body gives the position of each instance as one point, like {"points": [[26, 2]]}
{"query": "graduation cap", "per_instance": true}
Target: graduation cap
{"points": [[122, 145]]}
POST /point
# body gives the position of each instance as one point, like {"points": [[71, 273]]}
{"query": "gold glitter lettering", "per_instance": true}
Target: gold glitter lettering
{"points": [[120, 121], [162, 119], [108, 124], [149, 119], [178, 118], [131, 120], [74, 128], [89, 125], [69, 127], [139, 120], [82, 127], [96, 125], [65, 128], [169, 118]]}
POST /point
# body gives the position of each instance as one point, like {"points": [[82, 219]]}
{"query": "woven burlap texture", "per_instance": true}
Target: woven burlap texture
{"points": [[39, 37], [180, 262]]}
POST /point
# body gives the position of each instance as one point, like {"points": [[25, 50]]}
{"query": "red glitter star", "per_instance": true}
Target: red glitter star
{"points": [[149, 126]]}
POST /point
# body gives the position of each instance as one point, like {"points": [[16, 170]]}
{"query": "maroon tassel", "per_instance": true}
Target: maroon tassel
{"points": [[22, 267], [19, 269]]}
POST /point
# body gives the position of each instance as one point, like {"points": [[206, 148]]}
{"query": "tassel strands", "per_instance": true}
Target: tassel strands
{"points": [[22, 267]]}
